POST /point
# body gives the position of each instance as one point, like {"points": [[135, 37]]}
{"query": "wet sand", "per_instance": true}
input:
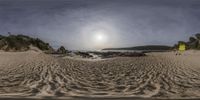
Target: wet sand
{"points": [[35, 75]]}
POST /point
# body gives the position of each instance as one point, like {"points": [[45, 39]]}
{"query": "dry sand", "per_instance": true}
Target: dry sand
{"points": [[34, 74]]}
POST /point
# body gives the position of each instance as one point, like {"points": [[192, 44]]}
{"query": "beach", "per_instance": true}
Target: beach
{"points": [[164, 75]]}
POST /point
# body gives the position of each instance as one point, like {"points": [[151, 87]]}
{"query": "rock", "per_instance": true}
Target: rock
{"points": [[61, 50]]}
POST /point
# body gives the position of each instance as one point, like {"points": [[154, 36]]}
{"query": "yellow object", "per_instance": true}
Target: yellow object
{"points": [[182, 47]]}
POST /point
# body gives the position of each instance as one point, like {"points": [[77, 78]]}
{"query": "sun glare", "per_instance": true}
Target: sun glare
{"points": [[100, 37]]}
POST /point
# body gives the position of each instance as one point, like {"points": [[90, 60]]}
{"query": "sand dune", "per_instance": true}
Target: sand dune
{"points": [[159, 75]]}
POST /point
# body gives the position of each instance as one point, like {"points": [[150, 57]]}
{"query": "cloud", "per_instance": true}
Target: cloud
{"points": [[128, 22]]}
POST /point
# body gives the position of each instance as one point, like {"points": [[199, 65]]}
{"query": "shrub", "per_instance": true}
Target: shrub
{"points": [[21, 43]]}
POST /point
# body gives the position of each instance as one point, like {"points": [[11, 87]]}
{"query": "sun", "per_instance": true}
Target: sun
{"points": [[99, 37]]}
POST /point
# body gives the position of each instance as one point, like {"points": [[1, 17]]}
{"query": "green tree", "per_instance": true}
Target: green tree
{"points": [[192, 39], [198, 40], [198, 36]]}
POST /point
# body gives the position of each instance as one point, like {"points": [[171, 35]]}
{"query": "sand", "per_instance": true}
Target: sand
{"points": [[164, 75]]}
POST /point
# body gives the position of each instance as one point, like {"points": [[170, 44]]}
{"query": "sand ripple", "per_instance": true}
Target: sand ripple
{"points": [[156, 75]]}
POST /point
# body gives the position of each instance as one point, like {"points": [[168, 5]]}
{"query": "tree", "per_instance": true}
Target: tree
{"points": [[192, 39], [198, 36]]}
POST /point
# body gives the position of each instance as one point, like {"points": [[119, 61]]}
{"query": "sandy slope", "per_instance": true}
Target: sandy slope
{"points": [[165, 75]]}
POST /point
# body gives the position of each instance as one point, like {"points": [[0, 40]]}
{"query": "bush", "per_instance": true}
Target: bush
{"points": [[21, 43], [193, 43], [198, 36], [62, 50]]}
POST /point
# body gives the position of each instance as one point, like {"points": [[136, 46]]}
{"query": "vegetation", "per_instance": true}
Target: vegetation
{"points": [[61, 50], [22, 43], [147, 47], [193, 43]]}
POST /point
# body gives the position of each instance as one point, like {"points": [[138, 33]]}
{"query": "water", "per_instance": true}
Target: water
{"points": [[121, 50]]}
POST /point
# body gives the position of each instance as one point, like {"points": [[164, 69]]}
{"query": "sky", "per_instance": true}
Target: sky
{"points": [[97, 24]]}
